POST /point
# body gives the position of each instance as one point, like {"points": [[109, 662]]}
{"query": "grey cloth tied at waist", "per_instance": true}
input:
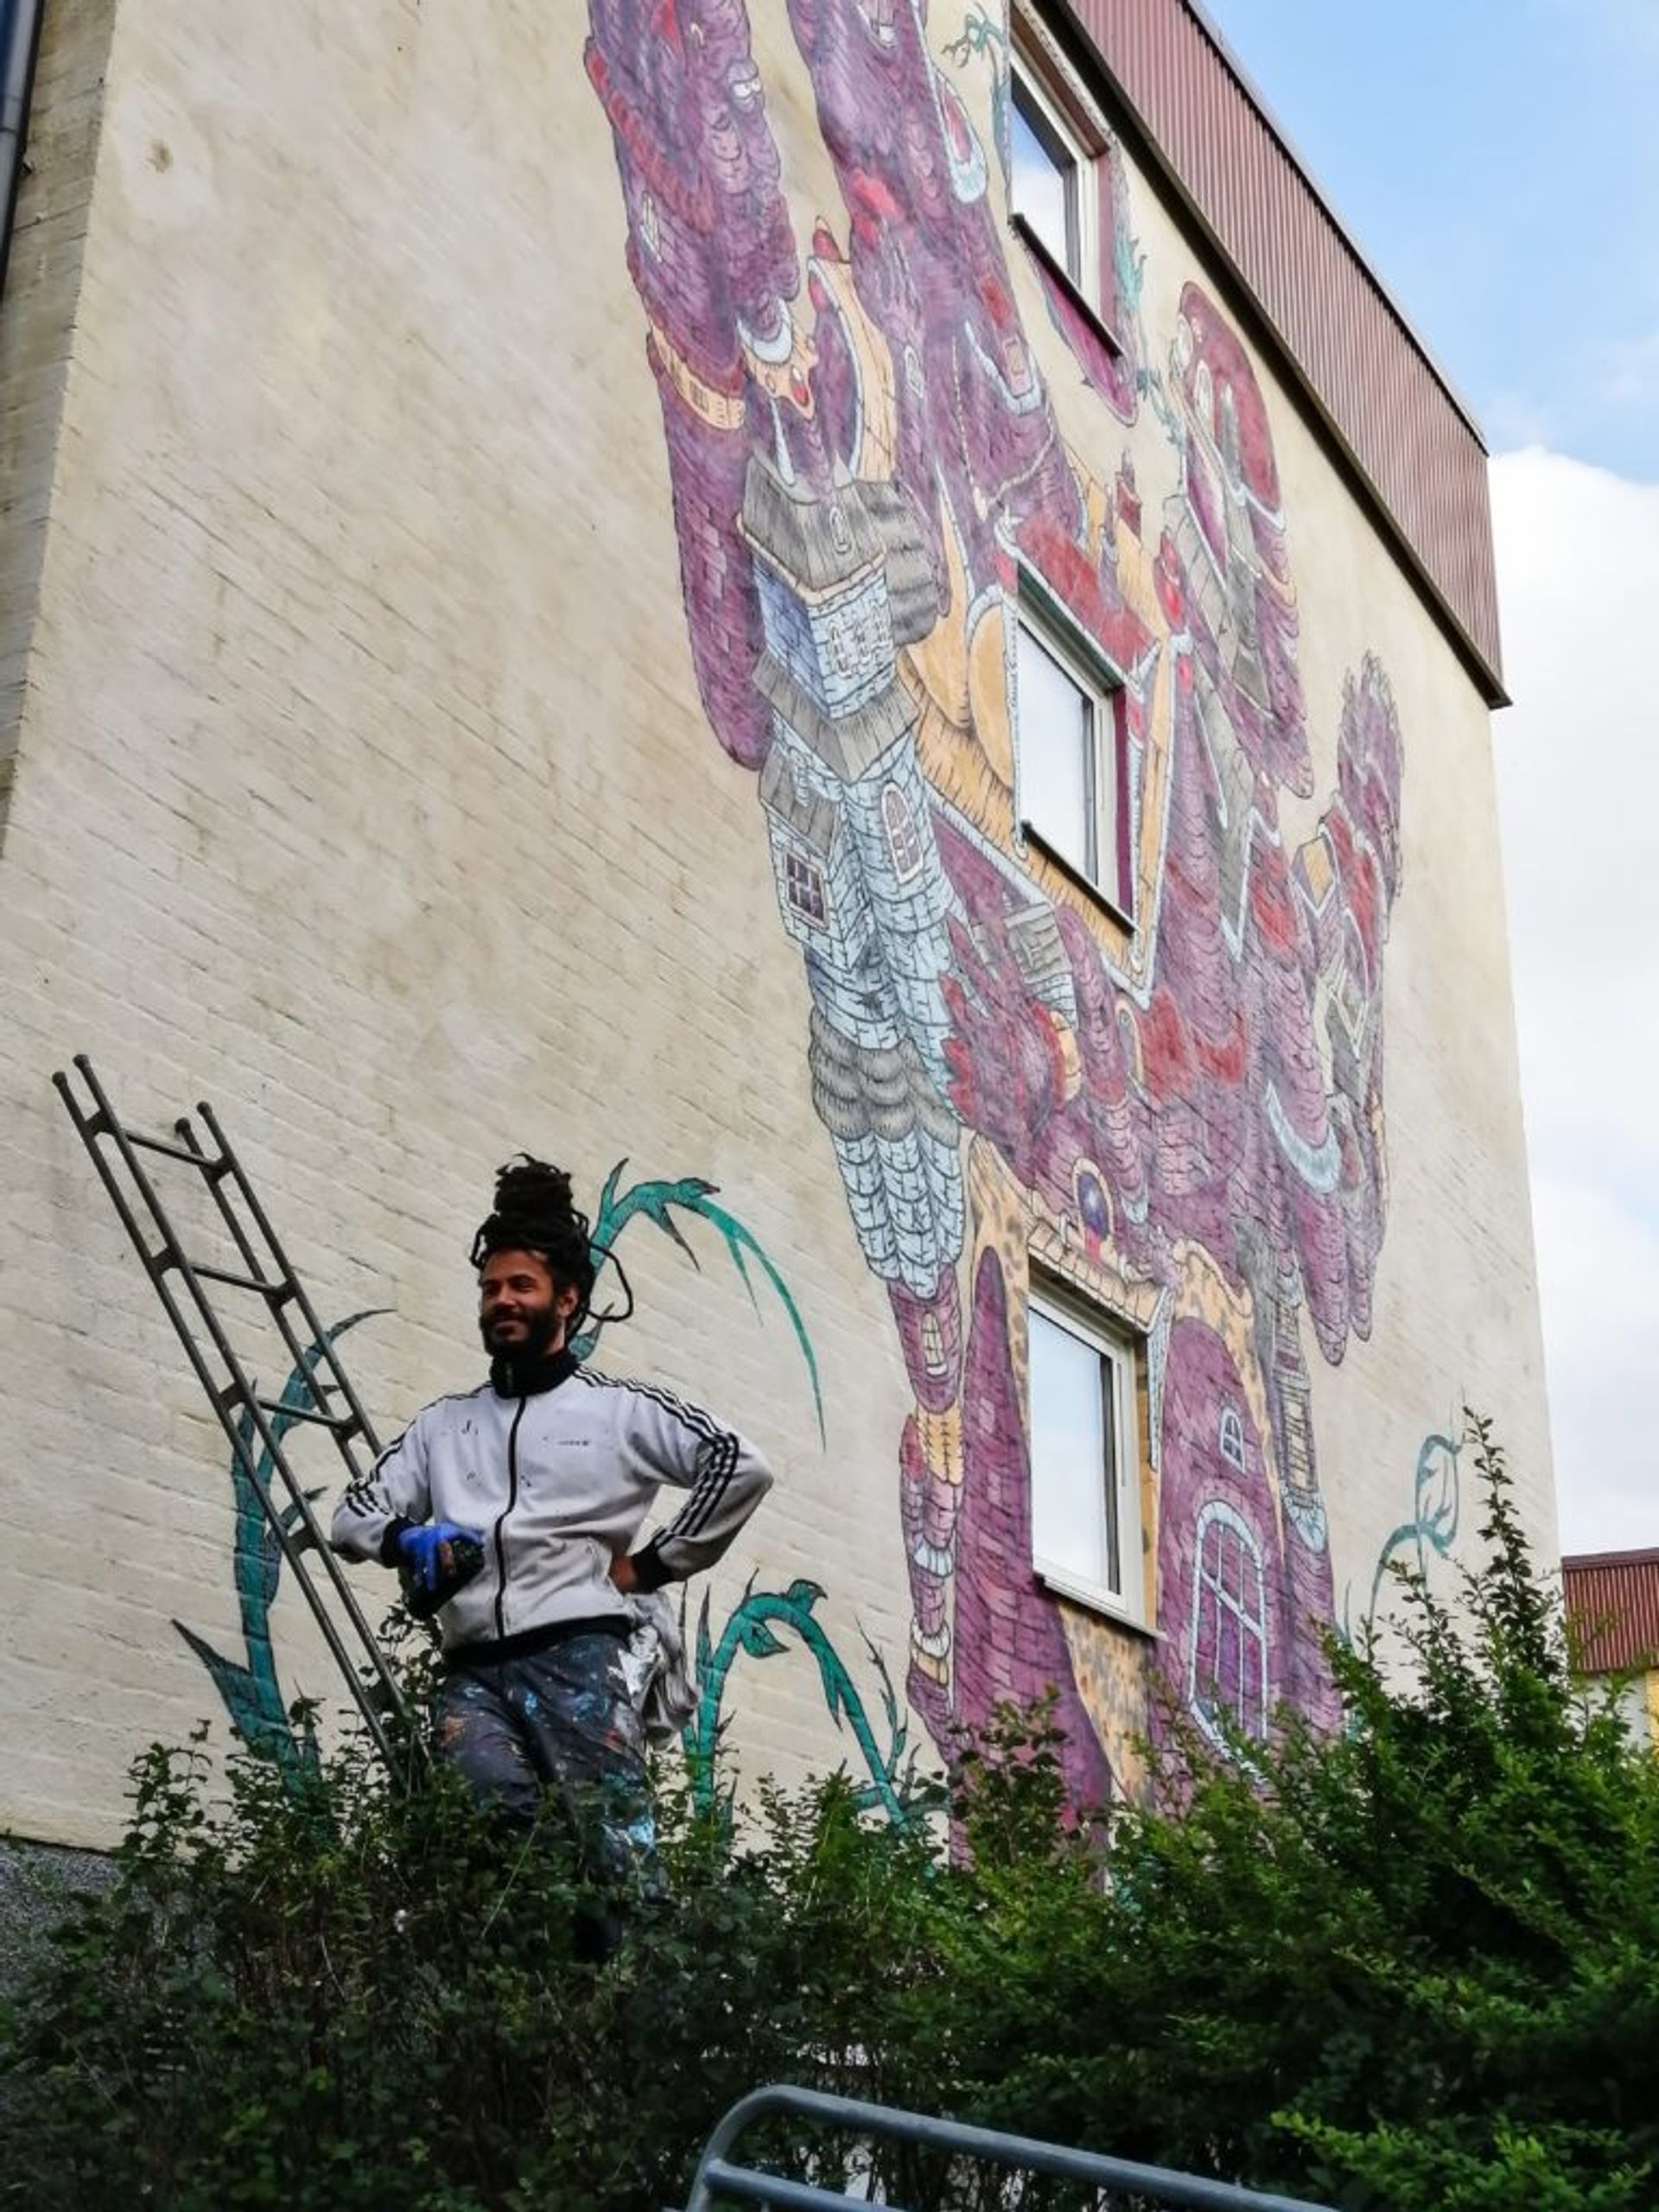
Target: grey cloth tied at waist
{"points": [[653, 1661]]}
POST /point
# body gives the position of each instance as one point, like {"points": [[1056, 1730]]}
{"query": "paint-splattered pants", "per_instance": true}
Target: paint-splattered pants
{"points": [[561, 1723]]}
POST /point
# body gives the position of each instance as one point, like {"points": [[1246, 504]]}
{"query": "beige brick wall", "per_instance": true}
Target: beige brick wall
{"points": [[364, 788]]}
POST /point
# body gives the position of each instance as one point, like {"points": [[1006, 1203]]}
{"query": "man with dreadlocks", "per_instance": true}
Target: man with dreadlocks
{"points": [[515, 1510]]}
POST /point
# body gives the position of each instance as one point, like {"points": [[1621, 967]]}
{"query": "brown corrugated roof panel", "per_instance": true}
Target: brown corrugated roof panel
{"points": [[1369, 378], [1612, 1603]]}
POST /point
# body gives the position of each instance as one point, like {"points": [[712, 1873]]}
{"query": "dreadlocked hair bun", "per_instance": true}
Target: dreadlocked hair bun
{"points": [[535, 1211]]}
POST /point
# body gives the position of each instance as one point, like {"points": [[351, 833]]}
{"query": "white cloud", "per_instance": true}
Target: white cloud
{"points": [[1578, 760]]}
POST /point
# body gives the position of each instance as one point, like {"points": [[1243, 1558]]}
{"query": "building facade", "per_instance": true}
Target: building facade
{"points": [[857, 619], [1612, 1616]]}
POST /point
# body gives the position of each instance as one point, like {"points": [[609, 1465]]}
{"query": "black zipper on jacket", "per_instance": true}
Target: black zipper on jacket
{"points": [[500, 1540]]}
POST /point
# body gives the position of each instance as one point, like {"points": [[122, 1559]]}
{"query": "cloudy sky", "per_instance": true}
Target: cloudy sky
{"points": [[1498, 163]]}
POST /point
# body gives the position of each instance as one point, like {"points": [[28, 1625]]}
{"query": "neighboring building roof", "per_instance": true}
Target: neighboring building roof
{"points": [[1370, 379], [1612, 1603]]}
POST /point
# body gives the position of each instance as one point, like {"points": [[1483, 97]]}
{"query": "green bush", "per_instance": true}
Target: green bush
{"points": [[1412, 1965]]}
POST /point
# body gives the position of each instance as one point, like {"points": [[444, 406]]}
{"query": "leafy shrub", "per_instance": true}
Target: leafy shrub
{"points": [[1412, 1965]]}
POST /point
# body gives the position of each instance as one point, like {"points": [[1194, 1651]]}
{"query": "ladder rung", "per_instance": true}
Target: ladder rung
{"points": [[338, 1422], [274, 1291], [168, 1150], [234, 1399]]}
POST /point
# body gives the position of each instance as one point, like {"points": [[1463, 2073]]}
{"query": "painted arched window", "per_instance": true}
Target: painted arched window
{"points": [[1227, 1657], [1230, 1442], [904, 846]]}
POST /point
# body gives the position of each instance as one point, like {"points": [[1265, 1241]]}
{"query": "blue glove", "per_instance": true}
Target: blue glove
{"points": [[423, 1550]]}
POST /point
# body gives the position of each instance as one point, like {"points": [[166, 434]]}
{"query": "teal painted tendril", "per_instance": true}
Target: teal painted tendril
{"points": [[750, 1629], [657, 1200], [981, 34], [982, 39], [1432, 1528]]}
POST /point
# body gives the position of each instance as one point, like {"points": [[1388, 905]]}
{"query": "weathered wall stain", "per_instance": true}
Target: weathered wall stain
{"points": [[1185, 1111]]}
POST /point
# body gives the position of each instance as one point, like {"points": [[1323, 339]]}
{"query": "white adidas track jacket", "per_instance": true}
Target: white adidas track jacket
{"points": [[558, 1480]]}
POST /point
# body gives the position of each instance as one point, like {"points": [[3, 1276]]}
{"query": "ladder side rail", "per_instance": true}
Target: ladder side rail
{"points": [[357, 1470], [313, 1538], [322, 1352], [105, 1123], [342, 1380], [296, 1555], [304, 1359]]}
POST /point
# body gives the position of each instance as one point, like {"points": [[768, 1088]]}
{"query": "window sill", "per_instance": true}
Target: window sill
{"points": [[1070, 869], [1074, 292], [1097, 1601]]}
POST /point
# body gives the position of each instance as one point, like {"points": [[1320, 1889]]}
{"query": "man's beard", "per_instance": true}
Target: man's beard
{"points": [[540, 1329]]}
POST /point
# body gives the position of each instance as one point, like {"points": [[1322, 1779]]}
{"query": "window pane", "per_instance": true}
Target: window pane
{"points": [[1043, 185], [1071, 1455], [1104, 755], [1056, 737]]}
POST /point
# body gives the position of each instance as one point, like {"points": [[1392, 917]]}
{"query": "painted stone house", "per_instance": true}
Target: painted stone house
{"points": [[860, 621]]}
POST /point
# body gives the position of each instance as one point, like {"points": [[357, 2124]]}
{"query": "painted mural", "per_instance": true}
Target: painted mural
{"points": [[1181, 1113]]}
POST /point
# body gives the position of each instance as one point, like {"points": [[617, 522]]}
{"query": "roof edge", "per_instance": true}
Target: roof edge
{"points": [[1480, 658], [1339, 222]]}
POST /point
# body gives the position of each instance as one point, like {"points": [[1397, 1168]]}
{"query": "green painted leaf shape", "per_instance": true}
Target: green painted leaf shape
{"points": [[251, 1716], [757, 1639]]}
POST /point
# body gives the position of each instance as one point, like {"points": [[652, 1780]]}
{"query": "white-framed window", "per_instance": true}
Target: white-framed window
{"points": [[1070, 746], [1086, 1476], [1227, 1656], [1051, 174]]}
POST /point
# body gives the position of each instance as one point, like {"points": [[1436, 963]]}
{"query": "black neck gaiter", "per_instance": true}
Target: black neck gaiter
{"points": [[533, 1373]]}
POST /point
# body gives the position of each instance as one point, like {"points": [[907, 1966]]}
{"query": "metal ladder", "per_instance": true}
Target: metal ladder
{"points": [[248, 1420]]}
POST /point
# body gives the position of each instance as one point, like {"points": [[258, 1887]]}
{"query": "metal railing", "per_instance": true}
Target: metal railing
{"points": [[1117, 2181]]}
